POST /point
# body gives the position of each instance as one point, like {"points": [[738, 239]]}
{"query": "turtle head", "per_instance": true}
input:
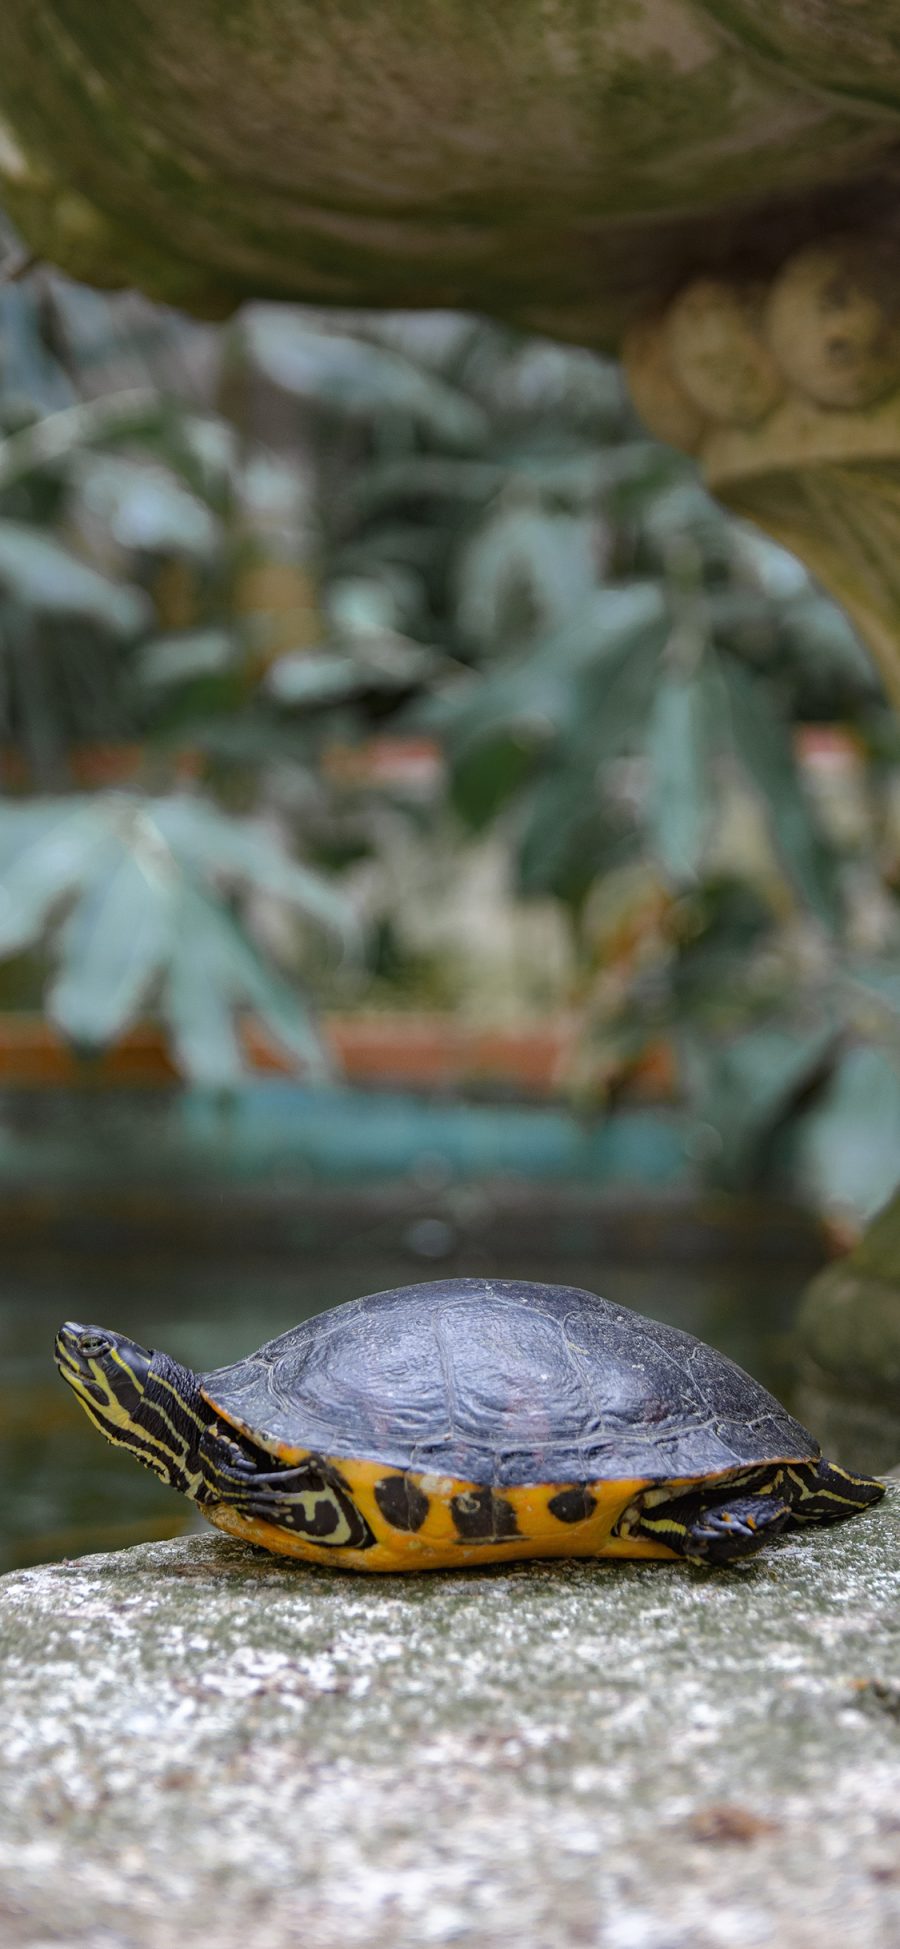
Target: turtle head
{"points": [[138, 1399], [103, 1365]]}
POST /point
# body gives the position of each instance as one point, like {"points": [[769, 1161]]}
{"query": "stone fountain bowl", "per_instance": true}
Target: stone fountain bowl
{"points": [[562, 163]]}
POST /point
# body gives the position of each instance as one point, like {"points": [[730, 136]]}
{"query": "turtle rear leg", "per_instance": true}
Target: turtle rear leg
{"points": [[820, 1492], [724, 1531], [710, 1528]]}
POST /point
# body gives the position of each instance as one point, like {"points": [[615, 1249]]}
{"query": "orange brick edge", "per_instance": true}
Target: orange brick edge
{"points": [[419, 1052]]}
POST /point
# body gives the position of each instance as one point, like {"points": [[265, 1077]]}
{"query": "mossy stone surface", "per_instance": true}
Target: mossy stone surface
{"points": [[848, 1336], [560, 164], [854, 49], [203, 1745]]}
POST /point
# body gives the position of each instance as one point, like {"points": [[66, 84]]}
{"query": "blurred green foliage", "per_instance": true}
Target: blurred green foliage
{"points": [[231, 553]]}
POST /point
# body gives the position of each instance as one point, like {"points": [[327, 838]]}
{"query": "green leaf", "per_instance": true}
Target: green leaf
{"points": [[849, 1143], [199, 996], [616, 621], [821, 640], [113, 946], [685, 512], [613, 693], [167, 661], [883, 983], [488, 774], [313, 679], [51, 442], [745, 1085], [217, 845], [524, 572], [538, 694], [332, 368], [28, 371], [534, 379], [360, 606], [308, 678], [47, 577], [425, 479], [48, 850], [573, 832], [563, 837], [213, 959], [679, 749], [144, 508], [524, 698], [761, 739], [284, 1013]]}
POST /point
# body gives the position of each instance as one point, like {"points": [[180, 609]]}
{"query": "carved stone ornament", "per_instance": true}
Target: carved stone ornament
{"points": [[787, 391]]}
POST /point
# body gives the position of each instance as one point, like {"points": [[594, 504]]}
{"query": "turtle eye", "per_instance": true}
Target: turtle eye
{"points": [[93, 1345]]}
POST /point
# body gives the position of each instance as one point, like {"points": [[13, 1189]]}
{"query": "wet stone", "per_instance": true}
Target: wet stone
{"points": [[204, 1745]]}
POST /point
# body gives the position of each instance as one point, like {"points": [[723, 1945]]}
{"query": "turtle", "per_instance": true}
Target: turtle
{"points": [[466, 1421]]}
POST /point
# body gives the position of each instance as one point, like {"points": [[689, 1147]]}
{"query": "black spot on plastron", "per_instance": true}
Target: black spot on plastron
{"points": [[573, 1505], [480, 1516], [401, 1503]]}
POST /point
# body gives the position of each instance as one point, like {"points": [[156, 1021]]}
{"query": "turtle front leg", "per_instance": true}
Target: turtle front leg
{"points": [[229, 1471], [820, 1492], [310, 1499], [243, 1476], [710, 1528]]}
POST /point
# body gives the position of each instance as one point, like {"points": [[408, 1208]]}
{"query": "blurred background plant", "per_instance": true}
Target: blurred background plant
{"points": [[335, 650]]}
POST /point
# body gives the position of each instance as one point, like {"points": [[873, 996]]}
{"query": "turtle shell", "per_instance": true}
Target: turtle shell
{"points": [[502, 1382]]}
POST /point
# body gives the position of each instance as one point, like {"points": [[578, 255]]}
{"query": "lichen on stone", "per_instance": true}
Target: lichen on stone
{"points": [[204, 1744]]}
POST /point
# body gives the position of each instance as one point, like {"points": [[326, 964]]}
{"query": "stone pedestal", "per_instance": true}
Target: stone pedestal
{"points": [[205, 1745]]}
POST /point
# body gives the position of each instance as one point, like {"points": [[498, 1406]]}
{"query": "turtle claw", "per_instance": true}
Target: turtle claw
{"points": [[228, 1470], [235, 1456]]}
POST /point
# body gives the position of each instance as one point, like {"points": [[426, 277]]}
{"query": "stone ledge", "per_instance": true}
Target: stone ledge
{"points": [[204, 1745]]}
